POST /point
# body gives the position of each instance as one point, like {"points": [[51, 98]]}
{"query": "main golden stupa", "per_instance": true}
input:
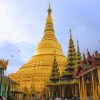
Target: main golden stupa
{"points": [[37, 70]]}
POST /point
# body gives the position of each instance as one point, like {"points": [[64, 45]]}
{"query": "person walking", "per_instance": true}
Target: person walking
{"points": [[1, 98], [25, 97], [33, 97]]}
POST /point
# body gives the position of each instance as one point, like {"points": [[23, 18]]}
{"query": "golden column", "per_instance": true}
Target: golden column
{"points": [[80, 88], [99, 81], [84, 88], [63, 91], [94, 87]]}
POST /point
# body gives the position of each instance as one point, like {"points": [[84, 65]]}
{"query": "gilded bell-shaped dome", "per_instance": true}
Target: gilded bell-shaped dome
{"points": [[38, 68]]}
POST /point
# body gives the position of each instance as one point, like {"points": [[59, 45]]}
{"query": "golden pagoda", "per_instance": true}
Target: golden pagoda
{"points": [[38, 68]]}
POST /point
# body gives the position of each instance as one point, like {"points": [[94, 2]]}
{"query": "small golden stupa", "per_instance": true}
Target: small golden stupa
{"points": [[37, 70]]}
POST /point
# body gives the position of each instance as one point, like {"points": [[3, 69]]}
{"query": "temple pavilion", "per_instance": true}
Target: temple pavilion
{"points": [[89, 77], [80, 78], [6, 84]]}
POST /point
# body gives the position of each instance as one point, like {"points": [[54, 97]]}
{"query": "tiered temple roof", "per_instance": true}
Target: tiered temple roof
{"points": [[88, 63], [78, 56], [54, 77], [67, 74]]}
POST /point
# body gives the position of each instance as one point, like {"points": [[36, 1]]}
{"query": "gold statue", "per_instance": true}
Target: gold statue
{"points": [[3, 63]]}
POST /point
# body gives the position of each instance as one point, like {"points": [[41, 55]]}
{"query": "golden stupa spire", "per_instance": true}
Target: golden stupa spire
{"points": [[49, 21], [49, 9], [49, 39]]}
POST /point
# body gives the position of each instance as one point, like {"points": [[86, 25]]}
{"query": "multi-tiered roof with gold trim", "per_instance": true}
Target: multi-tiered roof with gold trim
{"points": [[38, 68], [67, 74], [55, 75]]}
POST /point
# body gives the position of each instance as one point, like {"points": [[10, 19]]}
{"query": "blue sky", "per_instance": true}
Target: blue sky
{"points": [[22, 24]]}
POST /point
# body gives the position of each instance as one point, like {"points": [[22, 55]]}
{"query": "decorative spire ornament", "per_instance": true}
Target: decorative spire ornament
{"points": [[49, 9], [88, 54], [54, 77], [84, 59], [78, 56], [70, 33], [89, 58]]}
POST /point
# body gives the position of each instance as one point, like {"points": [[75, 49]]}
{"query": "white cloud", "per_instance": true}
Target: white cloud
{"points": [[11, 23], [16, 34], [10, 51]]}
